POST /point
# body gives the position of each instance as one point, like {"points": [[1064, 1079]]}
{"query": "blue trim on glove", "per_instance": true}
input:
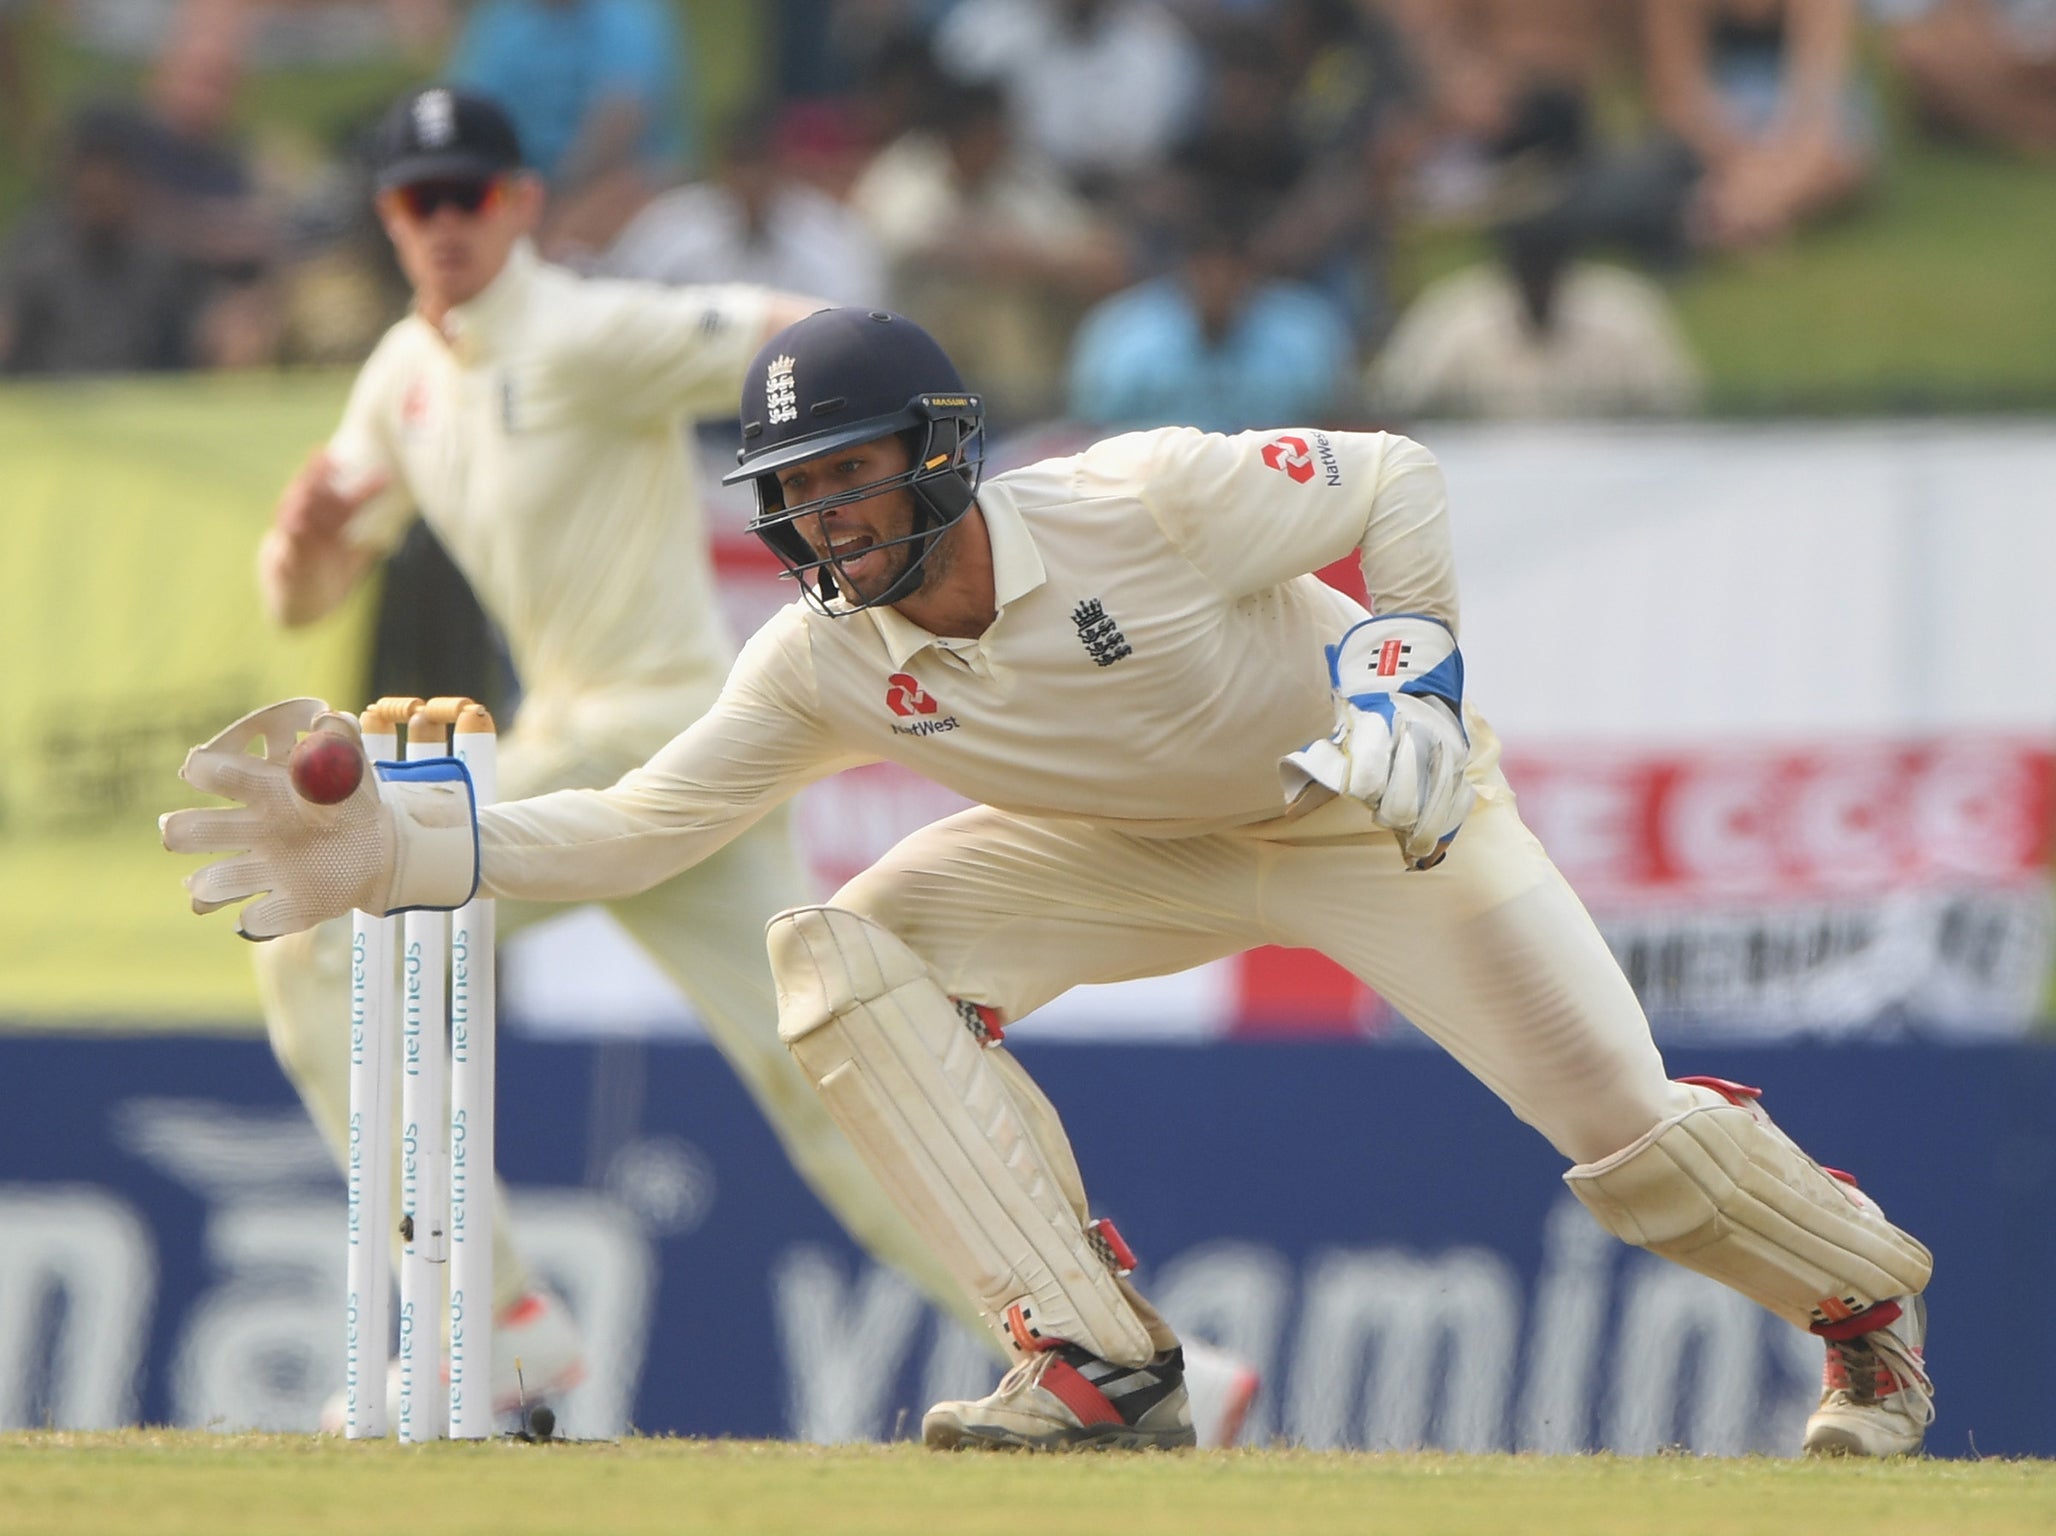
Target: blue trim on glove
{"points": [[439, 770], [1441, 851], [427, 770], [1445, 682], [1373, 704], [1335, 657]]}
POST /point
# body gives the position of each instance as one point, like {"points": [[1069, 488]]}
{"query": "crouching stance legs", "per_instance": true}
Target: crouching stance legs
{"points": [[1720, 1189], [973, 1153]]}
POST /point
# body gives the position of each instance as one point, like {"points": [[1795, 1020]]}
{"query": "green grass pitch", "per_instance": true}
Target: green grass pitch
{"points": [[168, 1482]]}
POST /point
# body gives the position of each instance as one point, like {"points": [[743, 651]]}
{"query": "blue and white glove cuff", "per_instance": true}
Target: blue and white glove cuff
{"points": [[435, 833], [1408, 653]]}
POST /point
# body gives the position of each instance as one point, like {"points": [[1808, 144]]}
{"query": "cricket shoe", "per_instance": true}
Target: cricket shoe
{"points": [[1221, 1388], [538, 1356], [1063, 1399], [1876, 1399]]}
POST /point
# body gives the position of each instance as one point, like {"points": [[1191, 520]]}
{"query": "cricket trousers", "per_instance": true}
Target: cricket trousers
{"points": [[1490, 953]]}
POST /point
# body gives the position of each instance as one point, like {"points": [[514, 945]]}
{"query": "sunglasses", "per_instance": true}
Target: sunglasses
{"points": [[421, 199]]}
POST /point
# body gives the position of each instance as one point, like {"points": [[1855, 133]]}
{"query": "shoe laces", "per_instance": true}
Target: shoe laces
{"points": [[1027, 1371], [1858, 1367], [1166, 1368]]}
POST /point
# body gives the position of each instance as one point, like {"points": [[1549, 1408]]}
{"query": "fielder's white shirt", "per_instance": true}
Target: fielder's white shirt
{"points": [[543, 442], [1159, 645]]}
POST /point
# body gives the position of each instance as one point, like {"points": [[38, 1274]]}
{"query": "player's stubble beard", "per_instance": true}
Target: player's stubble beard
{"points": [[940, 550]]}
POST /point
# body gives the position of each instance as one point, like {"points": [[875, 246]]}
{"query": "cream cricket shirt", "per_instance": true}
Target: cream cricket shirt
{"points": [[1158, 647], [543, 442]]}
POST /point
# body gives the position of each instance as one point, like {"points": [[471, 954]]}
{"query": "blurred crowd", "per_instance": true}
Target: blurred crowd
{"points": [[1113, 211]]}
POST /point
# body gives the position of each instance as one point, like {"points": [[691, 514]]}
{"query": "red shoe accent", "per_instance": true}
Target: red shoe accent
{"points": [[1836, 1173], [1835, 1376], [1063, 1382], [1856, 1325], [1734, 1093], [526, 1310], [1026, 1339], [982, 1021], [1119, 1256], [1241, 1398]]}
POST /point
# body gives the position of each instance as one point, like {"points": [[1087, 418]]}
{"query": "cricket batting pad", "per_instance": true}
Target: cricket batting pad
{"points": [[1721, 1190], [982, 1170]]}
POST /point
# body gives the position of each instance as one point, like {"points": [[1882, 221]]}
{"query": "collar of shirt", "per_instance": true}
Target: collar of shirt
{"points": [[473, 327], [1016, 571]]}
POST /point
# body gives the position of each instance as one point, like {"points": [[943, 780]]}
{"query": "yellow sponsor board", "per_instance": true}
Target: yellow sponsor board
{"points": [[129, 630]]}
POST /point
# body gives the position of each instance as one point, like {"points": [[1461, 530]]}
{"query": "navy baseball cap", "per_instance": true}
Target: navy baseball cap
{"points": [[443, 133]]}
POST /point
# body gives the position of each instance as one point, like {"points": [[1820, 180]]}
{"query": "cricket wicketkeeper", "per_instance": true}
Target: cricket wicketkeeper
{"points": [[1181, 745]]}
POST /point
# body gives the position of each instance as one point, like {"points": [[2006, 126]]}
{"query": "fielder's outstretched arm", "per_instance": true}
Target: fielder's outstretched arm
{"points": [[344, 511], [761, 743], [410, 835]]}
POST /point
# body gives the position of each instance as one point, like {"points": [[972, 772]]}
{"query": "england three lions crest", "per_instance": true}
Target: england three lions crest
{"points": [[781, 395]]}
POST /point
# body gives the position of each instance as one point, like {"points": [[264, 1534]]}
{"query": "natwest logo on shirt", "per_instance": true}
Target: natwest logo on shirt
{"points": [[906, 697], [1291, 456]]}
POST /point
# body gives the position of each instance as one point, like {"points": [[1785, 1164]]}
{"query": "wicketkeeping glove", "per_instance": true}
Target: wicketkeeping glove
{"points": [[1399, 744], [406, 837]]}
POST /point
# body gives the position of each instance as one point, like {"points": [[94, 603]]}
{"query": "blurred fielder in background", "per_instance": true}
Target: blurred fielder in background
{"points": [[1119, 655]]}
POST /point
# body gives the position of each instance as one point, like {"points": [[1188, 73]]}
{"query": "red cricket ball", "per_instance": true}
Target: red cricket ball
{"points": [[325, 768]]}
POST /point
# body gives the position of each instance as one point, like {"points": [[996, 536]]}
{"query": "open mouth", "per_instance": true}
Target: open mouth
{"points": [[855, 554]]}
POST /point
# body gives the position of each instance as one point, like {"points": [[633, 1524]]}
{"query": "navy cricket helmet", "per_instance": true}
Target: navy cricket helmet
{"points": [[842, 377]]}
